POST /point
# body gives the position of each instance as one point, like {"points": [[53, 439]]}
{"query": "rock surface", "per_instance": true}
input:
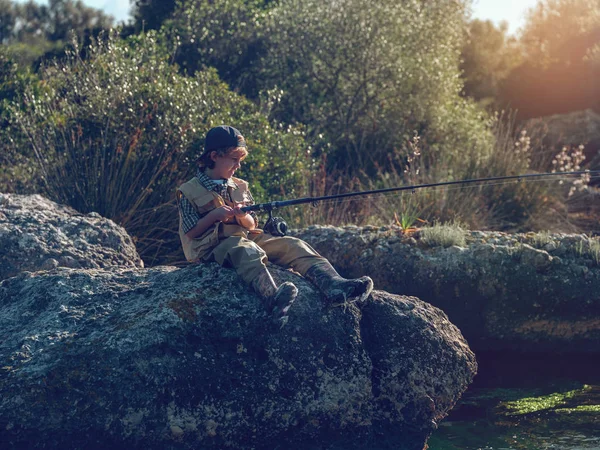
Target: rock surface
{"points": [[517, 292], [38, 234], [572, 129], [169, 358]]}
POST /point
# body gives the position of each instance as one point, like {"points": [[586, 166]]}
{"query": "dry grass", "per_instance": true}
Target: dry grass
{"points": [[444, 235], [527, 205]]}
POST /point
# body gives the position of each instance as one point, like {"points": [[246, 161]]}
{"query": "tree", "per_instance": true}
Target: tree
{"points": [[488, 56], [561, 31], [7, 20], [151, 14], [365, 76], [69, 16], [560, 72], [226, 35], [32, 19], [36, 31]]}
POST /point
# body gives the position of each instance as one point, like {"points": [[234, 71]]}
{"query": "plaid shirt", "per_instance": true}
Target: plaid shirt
{"points": [[188, 214]]}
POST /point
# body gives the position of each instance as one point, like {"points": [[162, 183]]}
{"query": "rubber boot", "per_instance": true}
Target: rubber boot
{"points": [[336, 288], [277, 299]]}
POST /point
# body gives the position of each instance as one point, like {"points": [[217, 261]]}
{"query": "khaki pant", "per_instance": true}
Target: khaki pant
{"points": [[249, 255]]}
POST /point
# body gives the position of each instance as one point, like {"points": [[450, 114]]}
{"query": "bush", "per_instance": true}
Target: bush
{"points": [[16, 172], [117, 132]]}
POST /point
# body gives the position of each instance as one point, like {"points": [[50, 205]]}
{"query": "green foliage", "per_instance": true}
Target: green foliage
{"points": [[118, 132], [150, 14], [364, 76], [57, 20], [7, 20], [488, 55], [15, 170], [38, 31], [8, 77], [226, 35]]}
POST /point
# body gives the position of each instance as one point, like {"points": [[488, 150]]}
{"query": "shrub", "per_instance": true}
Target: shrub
{"points": [[444, 235], [117, 132], [541, 239], [589, 247], [15, 168]]}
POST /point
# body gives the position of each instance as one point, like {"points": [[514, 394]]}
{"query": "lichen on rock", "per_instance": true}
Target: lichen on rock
{"points": [[515, 292], [38, 234], [168, 358]]}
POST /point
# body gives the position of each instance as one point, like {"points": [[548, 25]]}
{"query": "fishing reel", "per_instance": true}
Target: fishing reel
{"points": [[275, 225]]}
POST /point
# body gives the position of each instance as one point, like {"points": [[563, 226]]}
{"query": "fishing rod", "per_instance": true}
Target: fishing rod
{"points": [[278, 227]]}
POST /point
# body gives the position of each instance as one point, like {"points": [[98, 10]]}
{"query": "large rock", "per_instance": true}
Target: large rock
{"points": [[522, 292], [38, 234], [571, 129], [168, 358]]}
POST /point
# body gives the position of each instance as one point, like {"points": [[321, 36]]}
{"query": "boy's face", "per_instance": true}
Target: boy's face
{"points": [[226, 165]]}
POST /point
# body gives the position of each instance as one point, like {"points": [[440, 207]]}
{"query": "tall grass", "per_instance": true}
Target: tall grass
{"points": [[509, 206]]}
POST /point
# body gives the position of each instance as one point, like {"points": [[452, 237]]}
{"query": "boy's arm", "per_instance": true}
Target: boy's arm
{"points": [[193, 225], [188, 216], [201, 226]]}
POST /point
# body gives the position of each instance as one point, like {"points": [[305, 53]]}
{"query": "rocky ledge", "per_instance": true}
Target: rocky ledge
{"points": [[534, 292], [168, 358], [38, 234]]}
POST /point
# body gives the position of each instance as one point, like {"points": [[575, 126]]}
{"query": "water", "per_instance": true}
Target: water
{"points": [[526, 402]]}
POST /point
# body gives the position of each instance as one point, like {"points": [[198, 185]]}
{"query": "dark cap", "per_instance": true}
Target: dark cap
{"points": [[223, 136]]}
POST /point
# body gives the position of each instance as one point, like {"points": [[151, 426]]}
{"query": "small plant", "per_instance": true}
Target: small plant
{"points": [[541, 239], [589, 248], [570, 160], [407, 220], [445, 235]]}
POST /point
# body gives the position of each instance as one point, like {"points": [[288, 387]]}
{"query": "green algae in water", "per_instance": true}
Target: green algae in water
{"points": [[581, 409], [530, 405], [523, 419]]}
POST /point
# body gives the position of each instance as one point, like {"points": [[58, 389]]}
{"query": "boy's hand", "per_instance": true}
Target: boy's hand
{"points": [[238, 212], [222, 213], [243, 218]]}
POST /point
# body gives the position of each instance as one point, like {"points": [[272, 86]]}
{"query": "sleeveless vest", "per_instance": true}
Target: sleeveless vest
{"points": [[205, 201]]}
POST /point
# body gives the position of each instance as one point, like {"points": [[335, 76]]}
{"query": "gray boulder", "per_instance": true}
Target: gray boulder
{"points": [[38, 234], [571, 129], [168, 358], [515, 292]]}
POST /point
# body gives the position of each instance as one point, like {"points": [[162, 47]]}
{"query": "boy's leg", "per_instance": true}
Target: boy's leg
{"points": [[292, 252], [336, 288], [288, 251], [249, 261]]}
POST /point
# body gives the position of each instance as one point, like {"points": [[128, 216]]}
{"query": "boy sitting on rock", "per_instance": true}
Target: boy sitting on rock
{"points": [[212, 227]]}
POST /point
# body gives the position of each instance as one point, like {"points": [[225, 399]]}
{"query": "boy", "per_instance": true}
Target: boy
{"points": [[213, 228]]}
